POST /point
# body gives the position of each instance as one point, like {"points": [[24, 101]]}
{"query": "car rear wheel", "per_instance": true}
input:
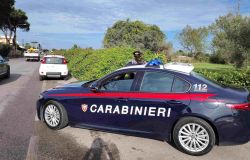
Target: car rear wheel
{"points": [[55, 115], [193, 136]]}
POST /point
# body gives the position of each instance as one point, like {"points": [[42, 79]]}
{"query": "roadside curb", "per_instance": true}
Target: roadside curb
{"points": [[33, 148]]}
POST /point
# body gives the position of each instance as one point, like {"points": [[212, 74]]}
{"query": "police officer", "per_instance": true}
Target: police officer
{"points": [[138, 59]]}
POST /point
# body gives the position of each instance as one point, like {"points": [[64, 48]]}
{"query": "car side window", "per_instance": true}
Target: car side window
{"points": [[180, 85], [157, 82], [121, 82]]}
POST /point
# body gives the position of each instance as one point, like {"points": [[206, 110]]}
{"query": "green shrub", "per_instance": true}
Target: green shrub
{"points": [[215, 58], [4, 50], [88, 64], [231, 77]]}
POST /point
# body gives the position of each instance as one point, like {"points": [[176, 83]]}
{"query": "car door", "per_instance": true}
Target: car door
{"points": [[103, 108], [163, 96]]}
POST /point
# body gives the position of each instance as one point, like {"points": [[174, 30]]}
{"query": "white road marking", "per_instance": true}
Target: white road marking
{"points": [[33, 148], [44, 86]]}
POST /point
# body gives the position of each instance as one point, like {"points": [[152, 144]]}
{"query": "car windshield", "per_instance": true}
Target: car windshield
{"points": [[87, 84], [1, 58], [54, 60]]}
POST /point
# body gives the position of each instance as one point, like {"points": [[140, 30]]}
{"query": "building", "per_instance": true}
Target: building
{"points": [[4, 41]]}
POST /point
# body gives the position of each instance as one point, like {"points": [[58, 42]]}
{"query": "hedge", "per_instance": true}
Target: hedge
{"points": [[230, 77], [88, 64]]}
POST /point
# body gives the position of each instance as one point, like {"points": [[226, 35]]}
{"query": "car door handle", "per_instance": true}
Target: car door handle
{"points": [[174, 102], [122, 99]]}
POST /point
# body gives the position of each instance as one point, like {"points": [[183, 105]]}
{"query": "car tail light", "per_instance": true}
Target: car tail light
{"points": [[64, 61], [243, 106], [43, 61]]}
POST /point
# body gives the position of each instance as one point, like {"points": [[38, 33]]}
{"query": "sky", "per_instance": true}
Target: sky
{"points": [[63, 23]]}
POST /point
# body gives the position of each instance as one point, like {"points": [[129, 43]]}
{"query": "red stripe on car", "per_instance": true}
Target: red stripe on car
{"points": [[176, 96]]}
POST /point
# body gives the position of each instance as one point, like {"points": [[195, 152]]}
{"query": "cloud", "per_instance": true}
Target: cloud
{"points": [[95, 16]]}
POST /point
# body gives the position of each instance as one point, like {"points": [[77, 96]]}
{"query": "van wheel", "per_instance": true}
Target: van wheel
{"points": [[193, 136]]}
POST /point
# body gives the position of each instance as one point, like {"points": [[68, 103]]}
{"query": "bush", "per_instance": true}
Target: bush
{"points": [[215, 58], [235, 77], [88, 64], [4, 50]]}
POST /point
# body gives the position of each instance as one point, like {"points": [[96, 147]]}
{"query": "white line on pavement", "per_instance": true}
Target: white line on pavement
{"points": [[33, 148]]}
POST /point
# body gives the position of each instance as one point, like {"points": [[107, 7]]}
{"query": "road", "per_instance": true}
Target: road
{"points": [[18, 125], [18, 95]]}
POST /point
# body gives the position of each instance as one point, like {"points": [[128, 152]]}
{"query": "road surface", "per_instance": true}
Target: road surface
{"points": [[18, 127]]}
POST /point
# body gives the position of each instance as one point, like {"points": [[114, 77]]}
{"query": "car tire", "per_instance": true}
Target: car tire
{"points": [[193, 141], [53, 109]]}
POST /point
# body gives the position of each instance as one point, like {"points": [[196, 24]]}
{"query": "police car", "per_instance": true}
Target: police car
{"points": [[166, 102]]}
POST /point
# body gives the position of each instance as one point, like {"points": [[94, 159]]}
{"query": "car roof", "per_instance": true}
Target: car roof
{"points": [[56, 56], [183, 68]]}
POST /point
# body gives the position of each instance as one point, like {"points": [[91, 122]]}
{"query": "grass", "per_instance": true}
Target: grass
{"points": [[213, 66]]}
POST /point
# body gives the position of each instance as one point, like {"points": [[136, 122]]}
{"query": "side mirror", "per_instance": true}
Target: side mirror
{"points": [[6, 59], [94, 89]]}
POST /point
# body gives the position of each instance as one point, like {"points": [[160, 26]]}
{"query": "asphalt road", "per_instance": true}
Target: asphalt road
{"points": [[18, 124], [18, 95]]}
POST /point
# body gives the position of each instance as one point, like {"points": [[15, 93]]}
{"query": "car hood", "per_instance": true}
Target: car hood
{"points": [[75, 84]]}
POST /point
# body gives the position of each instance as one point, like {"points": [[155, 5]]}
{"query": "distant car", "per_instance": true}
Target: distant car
{"points": [[4, 68], [167, 102], [53, 66]]}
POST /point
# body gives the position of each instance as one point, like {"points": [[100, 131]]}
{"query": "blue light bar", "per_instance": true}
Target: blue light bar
{"points": [[154, 63]]}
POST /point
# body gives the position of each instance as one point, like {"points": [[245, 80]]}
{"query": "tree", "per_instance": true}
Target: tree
{"points": [[6, 7], [193, 40], [231, 38], [18, 19], [134, 34]]}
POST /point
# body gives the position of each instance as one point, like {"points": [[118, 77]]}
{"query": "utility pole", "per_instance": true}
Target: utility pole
{"points": [[238, 7]]}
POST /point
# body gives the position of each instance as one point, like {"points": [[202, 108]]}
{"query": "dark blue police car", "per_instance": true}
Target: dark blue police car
{"points": [[166, 102]]}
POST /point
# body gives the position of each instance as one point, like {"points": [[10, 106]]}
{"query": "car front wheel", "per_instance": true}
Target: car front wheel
{"points": [[193, 136], [55, 115]]}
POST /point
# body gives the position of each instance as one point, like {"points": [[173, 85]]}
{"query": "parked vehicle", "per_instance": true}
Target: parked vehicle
{"points": [[34, 52], [168, 102], [53, 66], [4, 68]]}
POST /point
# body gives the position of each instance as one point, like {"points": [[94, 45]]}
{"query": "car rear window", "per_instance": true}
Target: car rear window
{"points": [[53, 60], [180, 85]]}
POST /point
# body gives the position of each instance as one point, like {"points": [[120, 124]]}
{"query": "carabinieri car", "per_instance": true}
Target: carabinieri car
{"points": [[166, 102]]}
